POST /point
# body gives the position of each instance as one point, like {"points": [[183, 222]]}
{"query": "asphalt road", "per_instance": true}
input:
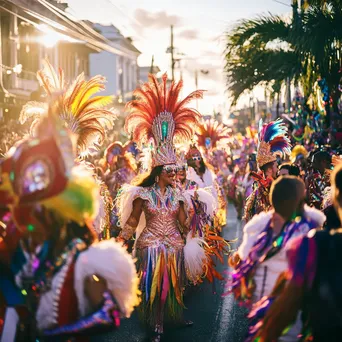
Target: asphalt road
{"points": [[216, 318]]}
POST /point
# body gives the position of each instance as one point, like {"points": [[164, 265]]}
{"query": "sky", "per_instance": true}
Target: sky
{"points": [[199, 27]]}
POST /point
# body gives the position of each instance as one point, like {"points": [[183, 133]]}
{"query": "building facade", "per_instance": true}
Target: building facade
{"points": [[121, 69], [32, 31]]}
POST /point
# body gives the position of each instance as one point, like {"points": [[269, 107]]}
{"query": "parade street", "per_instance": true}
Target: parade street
{"points": [[216, 318]]}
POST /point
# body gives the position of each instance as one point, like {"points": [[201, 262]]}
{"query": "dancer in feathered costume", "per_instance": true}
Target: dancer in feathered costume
{"points": [[84, 114], [121, 166], [154, 210], [261, 257], [210, 134], [273, 142], [121, 170], [311, 284], [51, 262]]}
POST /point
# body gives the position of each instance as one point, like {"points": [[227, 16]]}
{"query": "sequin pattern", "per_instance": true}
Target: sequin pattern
{"points": [[161, 213]]}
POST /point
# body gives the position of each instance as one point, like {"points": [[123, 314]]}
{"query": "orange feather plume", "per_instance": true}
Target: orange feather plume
{"points": [[154, 98], [213, 130]]}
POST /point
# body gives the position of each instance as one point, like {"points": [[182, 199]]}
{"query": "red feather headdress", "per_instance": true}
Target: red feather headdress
{"points": [[210, 132], [159, 115]]}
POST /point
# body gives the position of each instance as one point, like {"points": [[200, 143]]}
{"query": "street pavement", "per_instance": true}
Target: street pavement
{"points": [[216, 318]]}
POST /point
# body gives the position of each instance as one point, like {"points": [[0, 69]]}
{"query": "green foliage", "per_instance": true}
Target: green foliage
{"points": [[268, 50]]}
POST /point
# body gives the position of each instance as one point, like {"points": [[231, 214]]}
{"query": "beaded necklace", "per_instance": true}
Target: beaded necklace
{"points": [[162, 201]]}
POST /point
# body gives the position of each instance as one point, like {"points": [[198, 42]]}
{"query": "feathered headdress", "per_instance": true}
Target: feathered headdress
{"points": [[297, 151], [83, 113], [159, 116], [273, 141], [113, 150], [210, 132], [42, 170]]}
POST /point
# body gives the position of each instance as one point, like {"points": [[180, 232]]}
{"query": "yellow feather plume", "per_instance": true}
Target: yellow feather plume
{"points": [[84, 114]]}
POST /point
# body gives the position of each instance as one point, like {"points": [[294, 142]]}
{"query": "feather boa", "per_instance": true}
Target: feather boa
{"points": [[111, 261], [194, 257], [257, 224], [251, 233]]}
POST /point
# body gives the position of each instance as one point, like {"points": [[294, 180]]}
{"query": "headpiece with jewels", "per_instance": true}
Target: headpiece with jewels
{"points": [[273, 141], [160, 117], [83, 113]]}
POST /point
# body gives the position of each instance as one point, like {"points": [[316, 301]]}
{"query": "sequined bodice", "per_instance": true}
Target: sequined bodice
{"points": [[161, 212]]}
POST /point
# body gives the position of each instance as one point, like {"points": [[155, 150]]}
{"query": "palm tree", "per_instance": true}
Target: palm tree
{"points": [[259, 51], [268, 50]]}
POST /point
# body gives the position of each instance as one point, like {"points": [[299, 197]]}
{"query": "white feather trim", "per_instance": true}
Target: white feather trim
{"points": [[204, 196], [124, 204], [251, 232], [315, 215], [194, 257], [208, 177], [111, 261]]}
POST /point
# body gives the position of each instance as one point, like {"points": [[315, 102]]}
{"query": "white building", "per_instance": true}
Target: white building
{"points": [[121, 68]]}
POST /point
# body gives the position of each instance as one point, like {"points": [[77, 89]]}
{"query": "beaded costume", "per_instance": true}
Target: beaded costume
{"points": [[156, 118]]}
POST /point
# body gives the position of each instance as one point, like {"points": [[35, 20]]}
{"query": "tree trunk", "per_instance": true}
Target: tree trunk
{"points": [[278, 105]]}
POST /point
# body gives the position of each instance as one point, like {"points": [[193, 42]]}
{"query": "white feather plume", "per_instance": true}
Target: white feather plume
{"points": [[194, 257], [124, 203], [111, 261]]}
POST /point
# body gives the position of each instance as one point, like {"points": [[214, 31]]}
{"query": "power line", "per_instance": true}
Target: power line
{"points": [[282, 3], [136, 22]]}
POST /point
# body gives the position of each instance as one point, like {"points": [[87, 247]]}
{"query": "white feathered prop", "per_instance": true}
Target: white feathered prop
{"points": [[111, 261], [194, 257], [124, 203]]}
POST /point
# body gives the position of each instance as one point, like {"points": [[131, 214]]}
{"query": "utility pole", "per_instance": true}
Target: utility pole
{"points": [[152, 65], [172, 56], [196, 84]]}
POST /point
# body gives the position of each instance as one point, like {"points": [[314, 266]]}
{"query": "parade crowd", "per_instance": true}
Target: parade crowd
{"points": [[93, 229]]}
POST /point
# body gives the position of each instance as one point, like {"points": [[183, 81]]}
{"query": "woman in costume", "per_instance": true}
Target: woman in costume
{"points": [[155, 210], [68, 283], [273, 141], [312, 284], [121, 166]]}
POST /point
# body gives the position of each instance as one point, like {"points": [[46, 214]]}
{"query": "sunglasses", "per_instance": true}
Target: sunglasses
{"points": [[170, 169], [196, 158]]}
